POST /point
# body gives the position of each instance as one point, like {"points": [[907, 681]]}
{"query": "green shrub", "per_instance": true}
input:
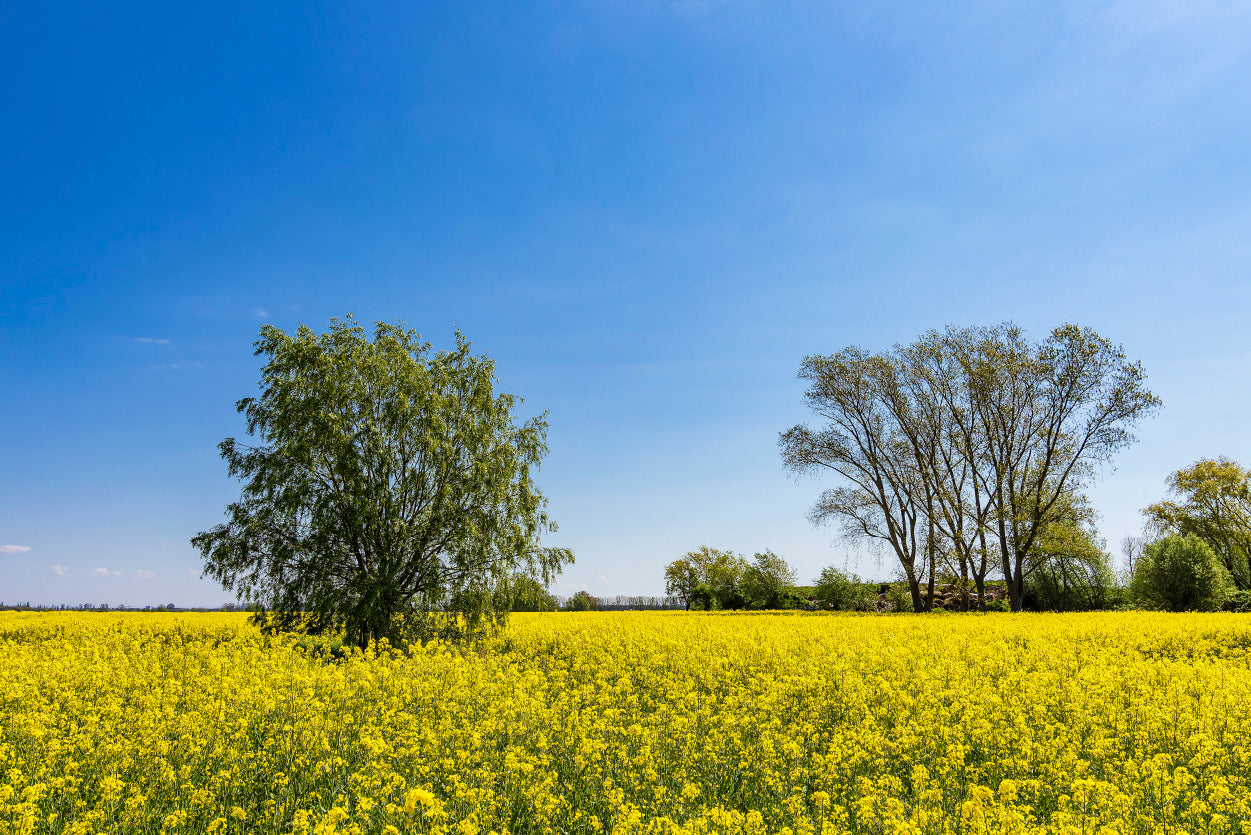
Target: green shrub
{"points": [[791, 599], [1238, 601], [1073, 584], [1180, 574], [837, 590], [582, 602], [899, 597]]}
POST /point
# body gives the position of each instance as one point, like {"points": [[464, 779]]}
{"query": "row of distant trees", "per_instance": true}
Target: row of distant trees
{"points": [[1195, 555], [527, 594]]}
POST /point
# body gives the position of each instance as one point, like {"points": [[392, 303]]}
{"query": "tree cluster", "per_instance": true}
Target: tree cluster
{"points": [[966, 452], [1213, 503], [1198, 549], [709, 578]]}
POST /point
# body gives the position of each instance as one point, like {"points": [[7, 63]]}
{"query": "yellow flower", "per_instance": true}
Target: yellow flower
{"points": [[418, 797]]}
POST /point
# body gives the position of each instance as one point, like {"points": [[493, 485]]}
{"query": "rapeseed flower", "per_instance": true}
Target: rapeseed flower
{"points": [[625, 723]]}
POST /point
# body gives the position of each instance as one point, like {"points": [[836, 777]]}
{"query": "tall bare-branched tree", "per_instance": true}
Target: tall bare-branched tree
{"points": [[882, 495], [1051, 414], [938, 417], [966, 442]]}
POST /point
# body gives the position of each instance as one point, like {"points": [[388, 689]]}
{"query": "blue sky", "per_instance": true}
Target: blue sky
{"points": [[646, 212]]}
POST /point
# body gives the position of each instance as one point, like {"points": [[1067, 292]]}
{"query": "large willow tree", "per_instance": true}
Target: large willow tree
{"points": [[386, 487]]}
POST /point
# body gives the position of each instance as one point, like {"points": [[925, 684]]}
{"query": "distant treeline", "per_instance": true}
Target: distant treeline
{"points": [[617, 603]]}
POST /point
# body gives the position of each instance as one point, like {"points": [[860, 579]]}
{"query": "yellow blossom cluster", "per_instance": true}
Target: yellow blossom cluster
{"points": [[631, 722]]}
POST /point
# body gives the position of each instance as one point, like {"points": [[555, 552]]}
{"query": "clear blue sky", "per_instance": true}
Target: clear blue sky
{"points": [[647, 212]]}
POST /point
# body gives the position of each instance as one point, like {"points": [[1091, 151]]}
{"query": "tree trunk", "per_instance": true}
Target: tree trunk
{"points": [[929, 589], [1016, 588], [914, 587], [918, 605]]}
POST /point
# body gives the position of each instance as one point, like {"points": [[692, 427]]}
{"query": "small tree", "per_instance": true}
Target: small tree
{"points": [[583, 601], [707, 578], [837, 590], [682, 581], [765, 581], [725, 581], [389, 488], [1076, 575], [1215, 505], [1070, 571], [1180, 574]]}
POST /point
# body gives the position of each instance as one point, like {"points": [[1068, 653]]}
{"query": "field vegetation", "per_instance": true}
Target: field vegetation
{"points": [[630, 722]]}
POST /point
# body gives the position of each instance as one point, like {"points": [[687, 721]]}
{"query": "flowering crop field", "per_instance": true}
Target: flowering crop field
{"points": [[631, 723]]}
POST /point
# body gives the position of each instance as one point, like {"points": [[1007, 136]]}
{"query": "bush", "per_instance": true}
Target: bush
{"points": [[1180, 574], [899, 597], [582, 602], [764, 582], [837, 590], [1238, 601], [791, 599]]}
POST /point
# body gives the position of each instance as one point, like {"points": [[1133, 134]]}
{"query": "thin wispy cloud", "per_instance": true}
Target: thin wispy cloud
{"points": [[145, 574], [148, 340], [60, 570], [104, 572], [14, 549]]}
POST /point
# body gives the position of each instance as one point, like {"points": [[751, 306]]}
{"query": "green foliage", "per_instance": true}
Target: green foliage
{"points": [[898, 598], [1180, 574], [1073, 585], [583, 601], [324, 647], [707, 578], [1237, 601], [765, 580], [725, 581], [1072, 572], [524, 594], [683, 581], [791, 598], [837, 590], [1215, 506], [389, 490]]}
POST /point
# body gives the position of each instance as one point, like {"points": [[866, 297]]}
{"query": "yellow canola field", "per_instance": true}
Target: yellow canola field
{"points": [[632, 723]]}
